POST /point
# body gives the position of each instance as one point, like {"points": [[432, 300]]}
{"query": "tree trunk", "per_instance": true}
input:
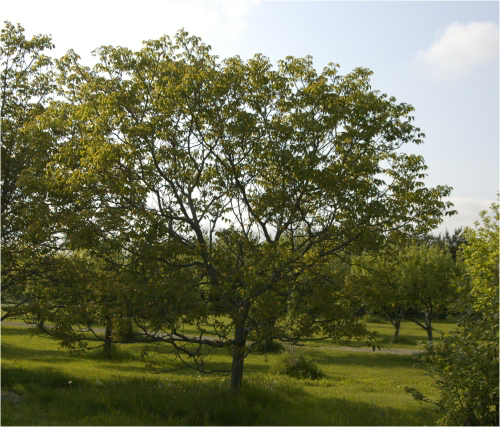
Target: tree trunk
{"points": [[108, 338], [238, 353], [40, 321], [471, 419], [428, 324], [395, 319], [268, 342], [429, 334], [128, 332], [397, 326]]}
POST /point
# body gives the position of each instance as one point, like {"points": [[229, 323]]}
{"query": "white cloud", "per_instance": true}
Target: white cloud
{"points": [[468, 213], [459, 49]]}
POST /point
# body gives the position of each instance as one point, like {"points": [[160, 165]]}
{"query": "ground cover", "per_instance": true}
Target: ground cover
{"points": [[43, 385]]}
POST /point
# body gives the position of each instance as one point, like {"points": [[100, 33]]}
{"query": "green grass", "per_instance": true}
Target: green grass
{"points": [[358, 389], [411, 335]]}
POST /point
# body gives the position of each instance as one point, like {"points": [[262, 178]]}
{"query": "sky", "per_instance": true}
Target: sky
{"points": [[440, 57]]}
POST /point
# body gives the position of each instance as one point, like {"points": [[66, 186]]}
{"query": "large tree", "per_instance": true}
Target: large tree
{"points": [[228, 184]]}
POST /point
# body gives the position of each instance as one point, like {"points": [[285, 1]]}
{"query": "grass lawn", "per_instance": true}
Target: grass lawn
{"points": [[359, 389]]}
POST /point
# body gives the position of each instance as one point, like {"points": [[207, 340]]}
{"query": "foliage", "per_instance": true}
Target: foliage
{"points": [[298, 365], [28, 236], [428, 275], [406, 279], [221, 188], [373, 318], [374, 281], [452, 242], [269, 347], [465, 364], [76, 308]]}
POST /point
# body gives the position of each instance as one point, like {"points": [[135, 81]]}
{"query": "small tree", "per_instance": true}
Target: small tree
{"points": [[89, 297], [405, 279], [375, 281], [465, 364], [427, 275]]}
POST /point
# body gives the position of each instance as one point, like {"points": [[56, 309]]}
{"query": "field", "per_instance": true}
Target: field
{"points": [[44, 385]]}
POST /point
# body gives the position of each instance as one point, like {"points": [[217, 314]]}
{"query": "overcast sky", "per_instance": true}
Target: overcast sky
{"points": [[441, 57]]}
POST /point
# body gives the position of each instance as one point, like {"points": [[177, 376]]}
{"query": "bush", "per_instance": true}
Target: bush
{"points": [[374, 318], [270, 347], [465, 365], [298, 365], [402, 339]]}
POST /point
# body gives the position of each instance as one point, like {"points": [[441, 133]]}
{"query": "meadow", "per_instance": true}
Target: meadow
{"points": [[43, 384]]}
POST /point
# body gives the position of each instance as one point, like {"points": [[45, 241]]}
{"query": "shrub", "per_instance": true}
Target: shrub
{"points": [[374, 318], [465, 364], [270, 347], [298, 365], [402, 339]]}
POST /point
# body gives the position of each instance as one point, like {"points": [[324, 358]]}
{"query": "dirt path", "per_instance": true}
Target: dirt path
{"points": [[400, 351]]}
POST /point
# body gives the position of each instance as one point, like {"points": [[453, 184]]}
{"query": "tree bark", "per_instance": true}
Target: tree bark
{"points": [[108, 338], [429, 334], [397, 326], [268, 342], [40, 321], [128, 331], [428, 324], [238, 353], [395, 320]]}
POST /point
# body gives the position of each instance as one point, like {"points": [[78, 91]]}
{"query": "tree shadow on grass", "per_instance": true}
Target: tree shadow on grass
{"points": [[186, 371], [200, 402], [340, 411], [30, 377], [120, 363], [18, 330], [14, 352]]}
